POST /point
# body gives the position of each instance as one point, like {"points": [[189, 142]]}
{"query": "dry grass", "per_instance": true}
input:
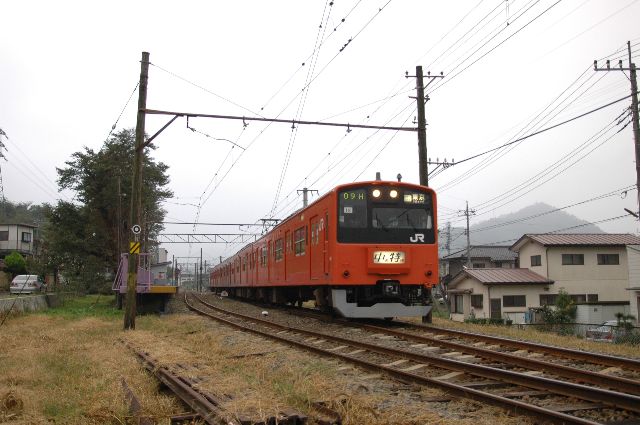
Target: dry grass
{"points": [[57, 370], [66, 367]]}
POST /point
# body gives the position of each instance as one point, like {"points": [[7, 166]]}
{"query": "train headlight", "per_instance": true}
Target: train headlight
{"points": [[376, 193], [393, 194]]}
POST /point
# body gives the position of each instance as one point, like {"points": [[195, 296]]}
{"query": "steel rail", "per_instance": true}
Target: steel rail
{"points": [[627, 385], [207, 410], [569, 389], [477, 370], [609, 381], [590, 356]]}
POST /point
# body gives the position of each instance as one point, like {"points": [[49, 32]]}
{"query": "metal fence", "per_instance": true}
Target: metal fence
{"points": [[617, 334]]}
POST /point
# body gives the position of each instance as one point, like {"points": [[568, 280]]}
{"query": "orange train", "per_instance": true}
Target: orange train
{"points": [[364, 250]]}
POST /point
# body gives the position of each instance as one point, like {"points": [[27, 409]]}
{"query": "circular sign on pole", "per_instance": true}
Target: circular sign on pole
{"points": [[136, 229]]}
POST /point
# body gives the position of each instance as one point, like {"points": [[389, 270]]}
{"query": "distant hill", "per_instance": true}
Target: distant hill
{"points": [[505, 229]]}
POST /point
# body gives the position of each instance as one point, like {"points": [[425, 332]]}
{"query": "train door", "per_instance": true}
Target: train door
{"points": [[315, 249], [287, 250], [324, 231], [269, 262]]}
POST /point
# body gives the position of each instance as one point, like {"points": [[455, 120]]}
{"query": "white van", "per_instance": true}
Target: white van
{"points": [[26, 284]]}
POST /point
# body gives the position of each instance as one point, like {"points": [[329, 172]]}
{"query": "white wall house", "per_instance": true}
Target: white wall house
{"points": [[496, 293], [633, 258], [17, 237], [590, 267]]}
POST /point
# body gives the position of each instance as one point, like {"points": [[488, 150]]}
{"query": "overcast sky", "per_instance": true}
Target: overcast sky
{"points": [[511, 68]]}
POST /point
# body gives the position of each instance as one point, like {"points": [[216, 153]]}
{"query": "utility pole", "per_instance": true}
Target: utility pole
{"points": [[135, 217], [422, 130], [447, 244], [634, 111], [467, 212], [422, 122], [305, 198], [200, 280]]}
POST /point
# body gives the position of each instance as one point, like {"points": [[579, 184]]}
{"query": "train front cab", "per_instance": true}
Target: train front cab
{"points": [[386, 248]]}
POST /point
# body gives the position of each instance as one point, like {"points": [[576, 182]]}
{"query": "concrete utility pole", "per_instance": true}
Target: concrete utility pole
{"points": [[467, 212], [422, 129], [305, 197], [634, 112], [135, 217], [422, 123]]}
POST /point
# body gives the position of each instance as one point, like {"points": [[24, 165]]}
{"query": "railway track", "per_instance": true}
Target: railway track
{"points": [[520, 392], [611, 372]]}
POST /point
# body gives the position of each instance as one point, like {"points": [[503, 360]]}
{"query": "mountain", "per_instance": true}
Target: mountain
{"points": [[506, 229]]}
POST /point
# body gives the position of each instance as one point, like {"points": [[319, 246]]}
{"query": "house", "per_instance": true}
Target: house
{"points": [[633, 259], [482, 256], [19, 238], [496, 293], [590, 267]]}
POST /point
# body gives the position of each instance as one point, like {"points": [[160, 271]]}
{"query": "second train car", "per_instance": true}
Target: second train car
{"points": [[364, 250]]}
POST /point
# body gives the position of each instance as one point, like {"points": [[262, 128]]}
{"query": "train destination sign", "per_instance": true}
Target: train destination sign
{"points": [[388, 257]]}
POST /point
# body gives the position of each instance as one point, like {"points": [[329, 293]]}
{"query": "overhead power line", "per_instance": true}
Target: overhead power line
{"points": [[544, 129]]}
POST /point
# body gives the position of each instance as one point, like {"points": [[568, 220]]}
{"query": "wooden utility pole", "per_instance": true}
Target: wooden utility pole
{"points": [[634, 112], [422, 129], [135, 217]]}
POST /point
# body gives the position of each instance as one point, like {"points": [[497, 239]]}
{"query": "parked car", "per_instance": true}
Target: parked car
{"points": [[606, 331], [26, 284]]}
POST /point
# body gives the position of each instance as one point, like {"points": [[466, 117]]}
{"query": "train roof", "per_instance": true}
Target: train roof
{"points": [[330, 192]]}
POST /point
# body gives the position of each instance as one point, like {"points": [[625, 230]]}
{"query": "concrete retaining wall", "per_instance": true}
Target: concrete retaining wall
{"points": [[27, 303]]}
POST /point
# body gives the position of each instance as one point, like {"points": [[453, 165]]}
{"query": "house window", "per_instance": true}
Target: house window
{"points": [[548, 299], [536, 260], [478, 265], [514, 301], [4, 235], [299, 238], [572, 259], [606, 259], [592, 298], [279, 247], [476, 301], [457, 306], [579, 298], [26, 237]]}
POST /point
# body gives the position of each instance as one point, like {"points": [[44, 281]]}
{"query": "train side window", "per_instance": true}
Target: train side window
{"points": [[299, 237], [278, 250], [263, 257]]}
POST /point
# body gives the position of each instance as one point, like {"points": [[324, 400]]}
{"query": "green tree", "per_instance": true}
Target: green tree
{"points": [[86, 238], [15, 264], [564, 310]]}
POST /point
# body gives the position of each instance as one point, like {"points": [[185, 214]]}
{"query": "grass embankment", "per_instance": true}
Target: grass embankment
{"points": [[65, 366]]}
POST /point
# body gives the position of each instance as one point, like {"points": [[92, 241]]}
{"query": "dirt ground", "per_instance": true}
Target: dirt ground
{"points": [[66, 366]]}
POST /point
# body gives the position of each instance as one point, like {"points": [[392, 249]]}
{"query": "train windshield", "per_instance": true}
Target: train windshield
{"points": [[385, 215]]}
